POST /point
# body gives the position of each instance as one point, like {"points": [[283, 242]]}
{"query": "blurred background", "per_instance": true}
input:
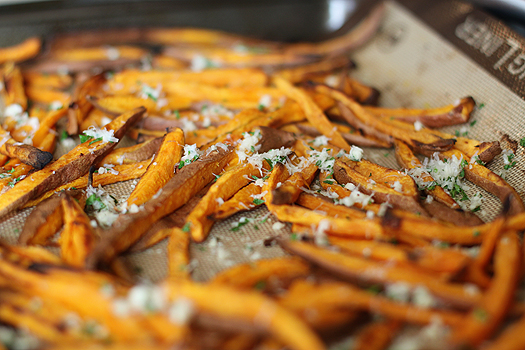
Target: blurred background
{"points": [[291, 20]]}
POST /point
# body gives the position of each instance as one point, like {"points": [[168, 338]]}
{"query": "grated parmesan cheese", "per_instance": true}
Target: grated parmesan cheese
{"points": [[96, 133]]}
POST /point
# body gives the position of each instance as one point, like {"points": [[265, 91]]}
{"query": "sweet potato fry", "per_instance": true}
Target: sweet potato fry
{"points": [[483, 320], [355, 268], [115, 105], [313, 113], [241, 201], [46, 125], [377, 335], [250, 308], [178, 253], [226, 186], [50, 81], [27, 154], [385, 180], [511, 338], [43, 222], [186, 183], [46, 95], [67, 168], [125, 172], [21, 52], [158, 231], [80, 108], [337, 296], [263, 273], [427, 140], [452, 114], [77, 239], [132, 154], [363, 228], [160, 170], [14, 92], [290, 190]]}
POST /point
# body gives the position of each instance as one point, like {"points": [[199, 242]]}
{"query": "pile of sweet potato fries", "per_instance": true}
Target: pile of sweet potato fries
{"points": [[222, 124]]}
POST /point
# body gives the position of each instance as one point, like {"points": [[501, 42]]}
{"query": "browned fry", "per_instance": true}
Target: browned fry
{"points": [[489, 181], [198, 221], [385, 180], [241, 201], [423, 140], [125, 172], [312, 112], [322, 205], [367, 130], [77, 238], [177, 191], [25, 50], [349, 134], [360, 269], [290, 190], [133, 154], [263, 274], [362, 93], [377, 335], [158, 231], [304, 295], [452, 114], [161, 169], [178, 253], [438, 206], [67, 168], [27, 154], [43, 222], [483, 320]]}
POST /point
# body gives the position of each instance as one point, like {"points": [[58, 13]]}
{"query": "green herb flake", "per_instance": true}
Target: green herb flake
{"points": [[258, 201], [186, 227], [472, 123], [476, 233], [481, 315], [84, 138], [95, 140]]}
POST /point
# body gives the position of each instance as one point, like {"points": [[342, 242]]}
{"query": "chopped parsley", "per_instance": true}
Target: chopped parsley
{"points": [[63, 135], [186, 227], [95, 140], [258, 201], [84, 138]]}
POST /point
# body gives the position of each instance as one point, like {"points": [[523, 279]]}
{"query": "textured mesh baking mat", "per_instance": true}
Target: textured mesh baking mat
{"points": [[412, 66]]}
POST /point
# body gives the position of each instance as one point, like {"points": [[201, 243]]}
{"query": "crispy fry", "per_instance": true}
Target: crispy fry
{"points": [[46, 95], [125, 172], [313, 113], [337, 296], [80, 108], [21, 52], [385, 180], [77, 239], [452, 114], [355, 268], [263, 274], [484, 319], [50, 81], [67, 168], [133, 154], [129, 228], [491, 182], [224, 187], [27, 154], [241, 201], [299, 74], [160, 170]]}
